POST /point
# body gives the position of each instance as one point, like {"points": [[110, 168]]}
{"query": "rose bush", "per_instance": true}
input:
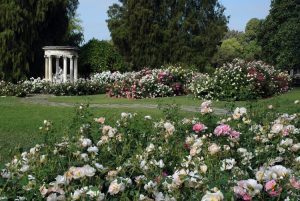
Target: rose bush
{"points": [[241, 80], [237, 157], [39, 86], [238, 80], [168, 81]]}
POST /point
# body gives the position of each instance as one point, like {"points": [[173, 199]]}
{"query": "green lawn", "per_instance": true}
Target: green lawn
{"points": [[19, 121], [103, 99], [281, 103]]}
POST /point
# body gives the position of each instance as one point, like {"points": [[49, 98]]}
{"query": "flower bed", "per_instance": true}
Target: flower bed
{"points": [[170, 81], [241, 157], [241, 80], [39, 86], [143, 84], [238, 80]]}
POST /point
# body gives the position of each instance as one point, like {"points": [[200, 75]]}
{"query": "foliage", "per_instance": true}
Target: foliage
{"points": [[242, 45], [230, 49], [27, 26], [74, 35], [168, 81], [154, 33], [38, 86], [233, 34], [280, 32], [241, 80], [246, 156], [98, 56], [238, 80]]}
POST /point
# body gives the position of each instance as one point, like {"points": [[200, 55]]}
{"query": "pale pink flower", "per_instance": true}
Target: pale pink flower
{"points": [[199, 127], [247, 197], [295, 183], [234, 134], [272, 188], [222, 129], [213, 149], [247, 189], [205, 107], [100, 120]]}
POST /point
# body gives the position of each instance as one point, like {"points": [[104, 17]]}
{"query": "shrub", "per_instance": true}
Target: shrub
{"points": [[241, 157], [241, 80], [168, 81], [99, 56], [235, 81], [39, 86]]}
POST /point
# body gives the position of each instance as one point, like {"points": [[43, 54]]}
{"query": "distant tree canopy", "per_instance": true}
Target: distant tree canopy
{"points": [[242, 45], [152, 33], [97, 56], [28, 25], [280, 34]]}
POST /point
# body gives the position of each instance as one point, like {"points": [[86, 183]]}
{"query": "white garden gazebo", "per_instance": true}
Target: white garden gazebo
{"points": [[61, 74]]}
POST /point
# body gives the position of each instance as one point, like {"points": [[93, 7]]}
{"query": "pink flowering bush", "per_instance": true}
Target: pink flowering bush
{"points": [[170, 81], [241, 80], [241, 156]]}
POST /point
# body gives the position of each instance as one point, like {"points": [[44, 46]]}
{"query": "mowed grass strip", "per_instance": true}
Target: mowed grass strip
{"points": [[20, 122], [281, 103]]}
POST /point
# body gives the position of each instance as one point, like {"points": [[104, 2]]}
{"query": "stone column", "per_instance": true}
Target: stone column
{"points": [[46, 68], [292, 72], [65, 69], [57, 64], [50, 69], [75, 68], [71, 70]]}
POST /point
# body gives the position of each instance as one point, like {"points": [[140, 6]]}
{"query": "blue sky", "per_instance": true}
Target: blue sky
{"points": [[93, 15]]}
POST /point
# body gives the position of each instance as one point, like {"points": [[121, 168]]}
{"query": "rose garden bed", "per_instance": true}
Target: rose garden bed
{"points": [[245, 156], [238, 80]]}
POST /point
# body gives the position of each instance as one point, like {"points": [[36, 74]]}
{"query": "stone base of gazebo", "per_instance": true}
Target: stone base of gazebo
{"points": [[61, 75]]}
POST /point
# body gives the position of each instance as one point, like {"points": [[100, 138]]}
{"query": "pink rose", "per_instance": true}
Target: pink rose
{"points": [[199, 127], [270, 185], [295, 183], [247, 197], [223, 129], [100, 120], [272, 189], [285, 132], [234, 134]]}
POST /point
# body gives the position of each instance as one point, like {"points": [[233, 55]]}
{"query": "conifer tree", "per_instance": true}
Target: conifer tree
{"points": [[26, 26], [152, 33], [280, 34]]}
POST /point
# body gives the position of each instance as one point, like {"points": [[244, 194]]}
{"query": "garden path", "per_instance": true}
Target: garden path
{"points": [[43, 100]]}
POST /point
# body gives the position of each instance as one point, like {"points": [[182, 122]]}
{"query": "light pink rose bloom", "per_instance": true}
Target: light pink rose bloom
{"points": [[199, 127], [206, 104], [247, 197], [295, 183], [234, 134], [285, 132], [223, 129], [205, 107], [100, 120], [272, 189]]}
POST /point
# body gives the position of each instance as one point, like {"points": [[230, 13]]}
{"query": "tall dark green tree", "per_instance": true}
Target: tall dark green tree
{"points": [[240, 44], [98, 56], [26, 26], [152, 33], [280, 34]]}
